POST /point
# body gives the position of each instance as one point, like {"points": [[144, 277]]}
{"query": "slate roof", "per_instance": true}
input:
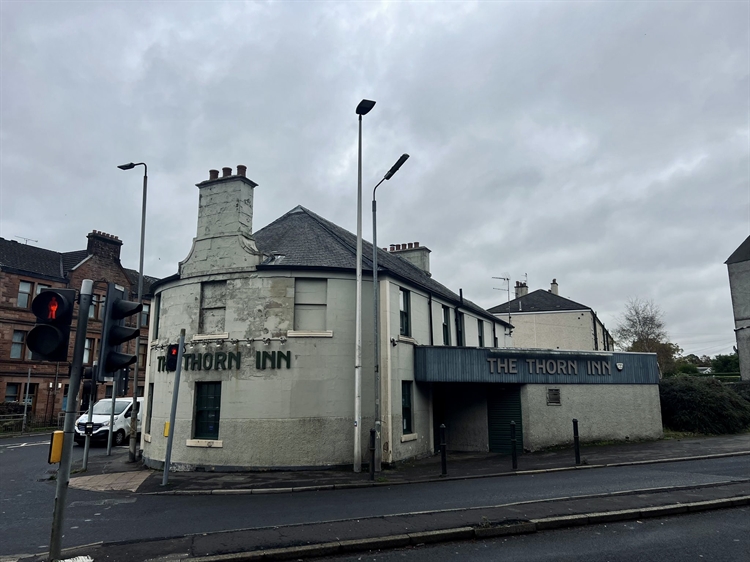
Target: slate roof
{"points": [[23, 258], [740, 254], [538, 301], [306, 240]]}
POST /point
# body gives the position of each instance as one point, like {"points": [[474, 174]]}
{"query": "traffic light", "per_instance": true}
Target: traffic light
{"points": [[48, 339], [122, 379], [115, 332], [172, 353], [89, 388]]}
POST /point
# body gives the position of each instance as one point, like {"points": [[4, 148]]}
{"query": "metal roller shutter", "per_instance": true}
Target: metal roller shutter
{"points": [[504, 406]]}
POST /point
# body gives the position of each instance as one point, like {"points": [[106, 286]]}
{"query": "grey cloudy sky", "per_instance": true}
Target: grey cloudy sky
{"points": [[605, 144]]}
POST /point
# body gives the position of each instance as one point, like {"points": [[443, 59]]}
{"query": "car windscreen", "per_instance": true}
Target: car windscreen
{"points": [[105, 407]]}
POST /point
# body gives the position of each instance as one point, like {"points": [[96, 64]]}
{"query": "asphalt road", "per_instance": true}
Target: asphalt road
{"points": [[720, 536], [26, 499]]}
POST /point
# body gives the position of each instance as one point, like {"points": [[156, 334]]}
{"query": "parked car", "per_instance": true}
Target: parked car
{"points": [[101, 418]]}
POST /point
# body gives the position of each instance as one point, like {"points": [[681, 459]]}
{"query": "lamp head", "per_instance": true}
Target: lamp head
{"points": [[396, 166], [129, 166], [365, 106]]}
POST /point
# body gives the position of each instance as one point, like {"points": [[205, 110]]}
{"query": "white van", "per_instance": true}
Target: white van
{"points": [[100, 419]]}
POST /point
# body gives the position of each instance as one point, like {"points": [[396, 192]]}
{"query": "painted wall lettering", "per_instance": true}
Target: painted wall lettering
{"points": [[219, 361]]}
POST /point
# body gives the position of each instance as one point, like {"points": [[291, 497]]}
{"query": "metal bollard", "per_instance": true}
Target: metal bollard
{"points": [[372, 454], [576, 444], [443, 460], [513, 454]]}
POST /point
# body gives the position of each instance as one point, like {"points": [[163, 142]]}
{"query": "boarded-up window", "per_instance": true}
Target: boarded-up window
{"points": [[310, 296], [553, 397], [213, 306]]}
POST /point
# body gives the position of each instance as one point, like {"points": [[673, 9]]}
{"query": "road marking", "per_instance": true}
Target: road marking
{"points": [[110, 501], [19, 445]]}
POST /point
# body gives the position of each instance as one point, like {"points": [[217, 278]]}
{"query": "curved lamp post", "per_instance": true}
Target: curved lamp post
{"points": [[134, 418], [376, 301]]}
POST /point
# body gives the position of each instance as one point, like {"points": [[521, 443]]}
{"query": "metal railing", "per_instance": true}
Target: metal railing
{"points": [[13, 424]]}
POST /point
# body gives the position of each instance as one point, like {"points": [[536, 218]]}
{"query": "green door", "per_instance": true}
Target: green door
{"points": [[503, 407]]}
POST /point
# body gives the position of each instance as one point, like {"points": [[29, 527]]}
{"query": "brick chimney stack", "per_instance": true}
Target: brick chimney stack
{"points": [[522, 289], [104, 245]]}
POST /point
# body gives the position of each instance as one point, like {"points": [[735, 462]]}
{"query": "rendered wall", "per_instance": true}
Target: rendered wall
{"points": [[301, 416], [604, 412], [556, 330], [739, 285]]}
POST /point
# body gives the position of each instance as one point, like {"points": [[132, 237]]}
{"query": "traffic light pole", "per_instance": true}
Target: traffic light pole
{"points": [[173, 411], [115, 392], [71, 407]]}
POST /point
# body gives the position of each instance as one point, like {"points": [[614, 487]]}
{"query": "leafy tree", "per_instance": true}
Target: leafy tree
{"points": [[726, 363], [641, 324], [641, 328]]}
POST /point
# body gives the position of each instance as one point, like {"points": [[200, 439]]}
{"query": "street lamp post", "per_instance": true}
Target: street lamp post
{"points": [[376, 302], [134, 409], [363, 108]]}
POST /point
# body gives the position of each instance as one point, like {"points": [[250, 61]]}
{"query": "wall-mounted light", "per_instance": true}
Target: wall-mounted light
{"points": [[394, 343]]}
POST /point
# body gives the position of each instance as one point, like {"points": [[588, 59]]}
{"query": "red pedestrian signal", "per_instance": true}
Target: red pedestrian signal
{"points": [[48, 340], [173, 352]]}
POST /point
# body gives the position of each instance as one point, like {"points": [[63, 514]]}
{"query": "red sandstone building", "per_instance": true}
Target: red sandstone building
{"points": [[27, 270]]}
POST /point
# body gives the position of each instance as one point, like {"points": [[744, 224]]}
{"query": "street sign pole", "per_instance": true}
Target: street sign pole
{"points": [[71, 407]]}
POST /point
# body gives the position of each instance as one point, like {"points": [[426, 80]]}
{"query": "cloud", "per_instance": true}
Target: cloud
{"points": [[605, 145]]}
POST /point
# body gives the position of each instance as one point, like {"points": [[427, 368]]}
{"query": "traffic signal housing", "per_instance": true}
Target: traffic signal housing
{"points": [[48, 339], [115, 333], [173, 351]]}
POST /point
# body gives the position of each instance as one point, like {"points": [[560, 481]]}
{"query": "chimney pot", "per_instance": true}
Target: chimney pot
{"points": [[411, 245], [213, 174], [393, 247], [416, 244], [241, 170], [226, 172]]}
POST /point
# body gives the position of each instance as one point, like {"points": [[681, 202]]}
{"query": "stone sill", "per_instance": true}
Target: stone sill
{"points": [[207, 443], [300, 334], [409, 437], [407, 339]]}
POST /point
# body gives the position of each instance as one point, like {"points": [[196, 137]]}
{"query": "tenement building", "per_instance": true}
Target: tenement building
{"points": [[268, 373], [27, 270]]}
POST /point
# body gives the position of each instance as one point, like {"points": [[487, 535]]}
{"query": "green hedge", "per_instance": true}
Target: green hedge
{"points": [[702, 405]]}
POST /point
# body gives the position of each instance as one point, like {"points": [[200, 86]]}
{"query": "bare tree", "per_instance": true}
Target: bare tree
{"points": [[641, 326]]}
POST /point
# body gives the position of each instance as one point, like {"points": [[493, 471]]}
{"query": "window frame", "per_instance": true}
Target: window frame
{"points": [[142, 355], [89, 351], [200, 410], [306, 301], [25, 352], [407, 407], [460, 329], [17, 386], [27, 295], [145, 314], [480, 332], [446, 325], [404, 312]]}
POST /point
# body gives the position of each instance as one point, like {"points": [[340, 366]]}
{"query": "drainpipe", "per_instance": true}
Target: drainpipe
{"points": [[430, 313]]}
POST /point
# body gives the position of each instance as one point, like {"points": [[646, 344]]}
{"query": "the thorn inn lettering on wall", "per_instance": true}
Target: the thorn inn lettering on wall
{"points": [[509, 366], [221, 361]]}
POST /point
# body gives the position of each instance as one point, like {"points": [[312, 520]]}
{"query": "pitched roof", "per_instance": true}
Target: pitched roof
{"points": [[303, 239], [30, 259], [740, 254], [23, 258], [538, 301]]}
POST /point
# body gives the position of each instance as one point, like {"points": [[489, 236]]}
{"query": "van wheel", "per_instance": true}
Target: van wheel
{"points": [[119, 437]]}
